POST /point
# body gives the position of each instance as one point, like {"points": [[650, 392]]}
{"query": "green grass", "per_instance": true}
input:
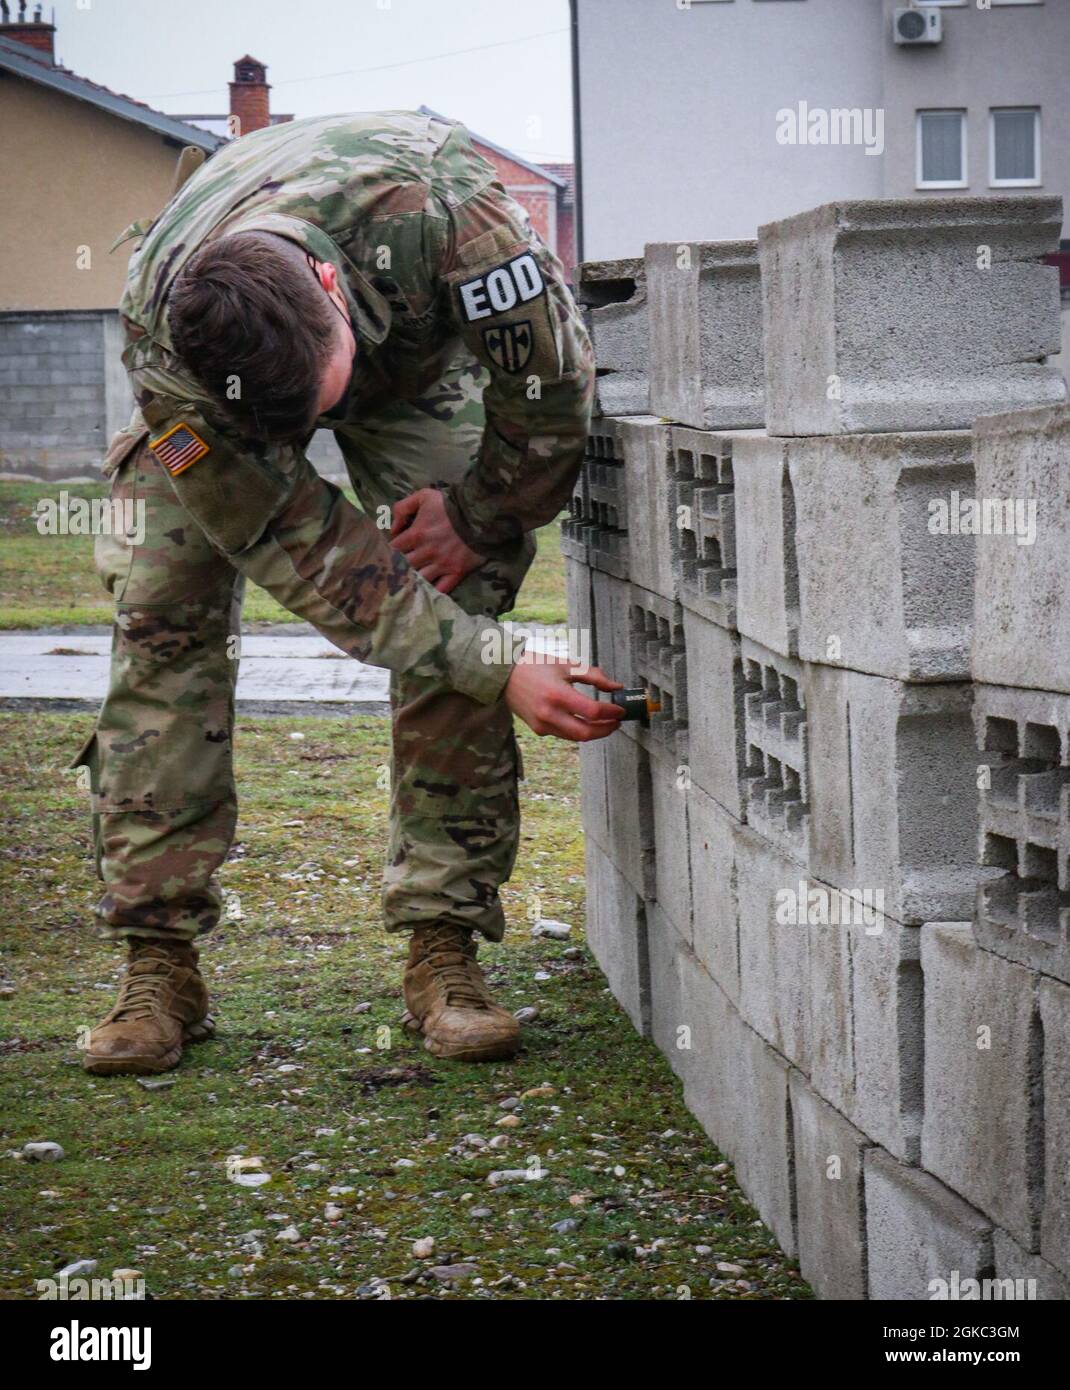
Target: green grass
{"points": [[144, 1181], [49, 581]]}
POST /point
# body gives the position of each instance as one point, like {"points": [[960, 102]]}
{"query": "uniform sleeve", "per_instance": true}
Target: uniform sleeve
{"points": [[298, 537], [510, 304]]}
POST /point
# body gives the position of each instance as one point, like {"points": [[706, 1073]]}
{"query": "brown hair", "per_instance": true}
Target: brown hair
{"points": [[246, 313]]}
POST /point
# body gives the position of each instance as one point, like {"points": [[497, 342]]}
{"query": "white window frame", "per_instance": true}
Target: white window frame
{"points": [[993, 182], [959, 111]]}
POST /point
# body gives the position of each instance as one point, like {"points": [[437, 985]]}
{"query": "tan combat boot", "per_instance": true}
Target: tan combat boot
{"points": [[448, 999], [163, 1003]]}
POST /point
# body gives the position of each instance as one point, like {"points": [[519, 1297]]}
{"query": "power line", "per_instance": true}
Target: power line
{"points": [[379, 67]]}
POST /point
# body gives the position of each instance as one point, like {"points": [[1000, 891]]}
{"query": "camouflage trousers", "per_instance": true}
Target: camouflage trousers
{"points": [[161, 756]]}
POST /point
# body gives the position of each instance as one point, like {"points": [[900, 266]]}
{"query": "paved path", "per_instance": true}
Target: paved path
{"points": [[280, 673]]}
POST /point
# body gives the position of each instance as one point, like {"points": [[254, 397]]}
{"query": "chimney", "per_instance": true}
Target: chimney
{"points": [[250, 108], [34, 33]]}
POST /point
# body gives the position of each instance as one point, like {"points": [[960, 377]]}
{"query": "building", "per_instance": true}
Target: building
{"points": [[739, 112]]}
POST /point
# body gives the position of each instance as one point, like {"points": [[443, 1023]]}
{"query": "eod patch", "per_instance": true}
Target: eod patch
{"points": [[496, 291]]}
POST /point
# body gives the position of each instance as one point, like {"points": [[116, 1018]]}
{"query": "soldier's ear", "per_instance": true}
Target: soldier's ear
{"points": [[328, 276]]}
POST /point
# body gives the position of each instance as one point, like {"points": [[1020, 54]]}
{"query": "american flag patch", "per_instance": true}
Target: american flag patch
{"points": [[179, 449]]}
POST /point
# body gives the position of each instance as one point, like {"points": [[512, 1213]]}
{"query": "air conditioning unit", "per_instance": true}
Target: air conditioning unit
{"points": [[918, 24]]}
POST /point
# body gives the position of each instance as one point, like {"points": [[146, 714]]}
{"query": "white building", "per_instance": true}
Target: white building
{"points": [[702, 119]]}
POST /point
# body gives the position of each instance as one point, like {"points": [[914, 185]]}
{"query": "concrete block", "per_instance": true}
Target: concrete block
{"points": [[1033, 1278], [829, 1196], [776, 776], [917, 1232], [884, 585], [612, 295], [617, 935], [774, 954], [893, 796], [1022, 612], [887, 1035], [1055, 1215], [574, 534], [611, 602], [714, 890], [630, 811], [877, 316], [594, 798], [706, 363], [659, 661], [672, 855], [767, 588], [698, 1030], [578, 600], [643, 442], [605, 496], [716, 744], [983, 1049], [703, 525], [1024, 914], [763, 1142]]}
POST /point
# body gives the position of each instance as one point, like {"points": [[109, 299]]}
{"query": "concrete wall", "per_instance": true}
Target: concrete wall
{"points": [[80, 177], [63, 392], [678, 107], [831, 877]]}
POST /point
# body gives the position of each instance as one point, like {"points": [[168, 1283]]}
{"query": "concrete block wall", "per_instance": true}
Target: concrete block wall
{"points": [[831, 879]]}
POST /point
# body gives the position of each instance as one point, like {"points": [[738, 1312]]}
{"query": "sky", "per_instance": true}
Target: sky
{"points": [[512, 85]]}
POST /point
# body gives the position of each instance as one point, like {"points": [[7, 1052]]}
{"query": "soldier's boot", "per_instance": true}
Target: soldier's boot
{"points": [[162, 1004], [448, 999]]}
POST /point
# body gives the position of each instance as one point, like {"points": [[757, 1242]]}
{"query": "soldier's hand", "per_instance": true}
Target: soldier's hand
{"points": [[542, 693], [422, 531]]}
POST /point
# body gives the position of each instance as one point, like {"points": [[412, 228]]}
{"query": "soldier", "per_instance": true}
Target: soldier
{"points": [[368, 274]]}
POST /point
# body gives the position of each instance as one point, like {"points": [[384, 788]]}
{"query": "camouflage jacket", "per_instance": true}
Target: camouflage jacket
{"points": [[430, 251]]}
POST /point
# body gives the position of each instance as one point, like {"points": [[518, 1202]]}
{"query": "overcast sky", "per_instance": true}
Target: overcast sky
{"points": [[178, 56]]}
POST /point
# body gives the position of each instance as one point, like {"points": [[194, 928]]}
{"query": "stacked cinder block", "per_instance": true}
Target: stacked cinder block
{"points": [[783, 866]]}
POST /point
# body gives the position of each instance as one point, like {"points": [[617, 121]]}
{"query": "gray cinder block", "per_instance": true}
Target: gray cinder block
{"points": [[1055, 1216], [918, 1232], [881, 315], [829, 1196], [594, 796], [644, 445], [614, 301], [1022, 616], [578, 601], [1030, 1276], [605, 496], [763, 1141], [767, 587], [659, 661], [1023, 913], [887, 992], [617, 934], [983, 1048], [703, 525], [630, 810], [714, 890], [611, 602], [884, 586], [716, 745], [672, 858], [706, 365], [776, 775], [893, 792], [774, 955]]}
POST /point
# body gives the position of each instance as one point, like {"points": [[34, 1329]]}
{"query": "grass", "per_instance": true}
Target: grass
{"points": [[49, 581], [305, 978]]}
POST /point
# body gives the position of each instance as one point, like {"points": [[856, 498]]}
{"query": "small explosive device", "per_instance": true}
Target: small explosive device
{"points": [[637, 703]]}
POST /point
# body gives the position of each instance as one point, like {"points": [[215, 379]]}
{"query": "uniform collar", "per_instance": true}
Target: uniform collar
{"points": [[368, 309]]}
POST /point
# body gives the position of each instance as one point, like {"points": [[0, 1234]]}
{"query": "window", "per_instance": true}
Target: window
{"points": [[941, 141], [1014, 147]]}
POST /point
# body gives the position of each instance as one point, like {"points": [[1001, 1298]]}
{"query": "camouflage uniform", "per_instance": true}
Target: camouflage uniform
{"points": [[461, 315]]}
